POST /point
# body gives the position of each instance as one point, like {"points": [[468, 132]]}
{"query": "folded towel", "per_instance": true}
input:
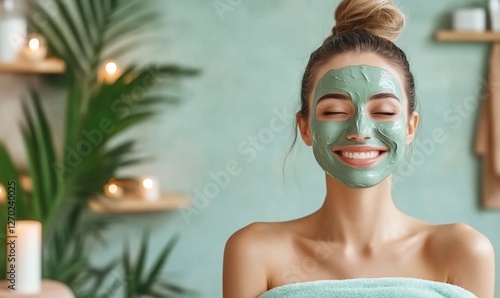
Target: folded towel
{"points": [[385, 287]]}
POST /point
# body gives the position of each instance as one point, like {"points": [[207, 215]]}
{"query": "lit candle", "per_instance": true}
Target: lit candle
{"points": [[24, 256], [3, 193], [112, 190], [109, 72], [150, 189], [35, 50]]}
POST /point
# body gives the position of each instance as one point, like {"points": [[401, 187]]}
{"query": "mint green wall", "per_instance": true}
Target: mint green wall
{"points": [[252, 60]]}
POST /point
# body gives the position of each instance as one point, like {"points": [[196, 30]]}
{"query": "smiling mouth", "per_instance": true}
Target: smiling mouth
{"points": [[360, 157]]}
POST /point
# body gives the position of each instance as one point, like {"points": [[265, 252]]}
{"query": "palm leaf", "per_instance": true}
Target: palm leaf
{"points": [[128, 270], [83, 10], [160, 262], [47, 189], [140, 266], [65, 259], [139, 281], [97, 279], [32, 145], [46, 156], [75, 34], [58, 41], [73, 116]]}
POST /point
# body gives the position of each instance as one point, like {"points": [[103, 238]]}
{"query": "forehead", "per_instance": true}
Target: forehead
{"points": [[358, 81], [343, 61]]}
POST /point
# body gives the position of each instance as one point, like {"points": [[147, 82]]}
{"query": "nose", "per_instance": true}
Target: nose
{"points": [[357, 137], [361, 129]]}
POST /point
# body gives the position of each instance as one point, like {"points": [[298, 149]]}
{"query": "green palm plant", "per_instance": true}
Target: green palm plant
{"points": [[140, 281], [84, 33], [85, 39]]}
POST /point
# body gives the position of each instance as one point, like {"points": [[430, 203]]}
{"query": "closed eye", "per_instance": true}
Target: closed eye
{"points": [[385, 113], [327, 113]]}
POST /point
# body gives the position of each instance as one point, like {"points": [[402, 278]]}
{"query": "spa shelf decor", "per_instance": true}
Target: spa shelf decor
{"points": [[104, 99], [136, 195], [487, 143], [463, 36], [166, 201], [31, 57], [47, 66]]}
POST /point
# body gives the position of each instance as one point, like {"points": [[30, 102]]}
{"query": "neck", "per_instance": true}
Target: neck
{"points": [[361, 217]]}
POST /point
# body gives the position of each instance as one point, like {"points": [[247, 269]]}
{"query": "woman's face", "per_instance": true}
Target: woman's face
{"points": [[358, 124]]}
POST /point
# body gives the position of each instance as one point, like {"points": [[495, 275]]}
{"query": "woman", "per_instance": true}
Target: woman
{"points": [[358, 114]]}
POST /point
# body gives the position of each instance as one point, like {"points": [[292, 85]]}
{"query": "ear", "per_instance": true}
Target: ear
{"points": [[411, 127], [305, 129]]}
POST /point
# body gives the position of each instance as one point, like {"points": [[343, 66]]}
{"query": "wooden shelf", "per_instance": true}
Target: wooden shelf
{"points": [[47, 66], [167, 201], [464, 36]]}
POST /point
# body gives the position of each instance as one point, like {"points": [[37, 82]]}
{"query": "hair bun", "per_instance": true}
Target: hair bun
{"points": [[378, 17]]}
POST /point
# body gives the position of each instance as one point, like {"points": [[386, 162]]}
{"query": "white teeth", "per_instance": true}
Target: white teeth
{"points": [[360, 155]]}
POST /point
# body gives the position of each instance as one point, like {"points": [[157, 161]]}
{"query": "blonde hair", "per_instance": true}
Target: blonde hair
{"points": [[378, 17], [362, 26]]}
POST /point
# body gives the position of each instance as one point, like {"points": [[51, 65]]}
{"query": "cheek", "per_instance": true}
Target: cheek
{"points": [[394, 131], [325, 132]]}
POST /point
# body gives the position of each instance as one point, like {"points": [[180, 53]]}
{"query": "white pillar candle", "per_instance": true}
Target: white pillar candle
{"points": [[150, 189], [24, 256]]}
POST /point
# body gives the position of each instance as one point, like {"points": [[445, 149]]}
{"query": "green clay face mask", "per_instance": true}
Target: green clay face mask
{"points": [[353, 142]]}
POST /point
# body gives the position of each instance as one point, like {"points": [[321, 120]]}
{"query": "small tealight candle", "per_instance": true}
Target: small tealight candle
{"points": [[112, 190], [109, 72], [3, 193], [150, 189], [35, 50]]}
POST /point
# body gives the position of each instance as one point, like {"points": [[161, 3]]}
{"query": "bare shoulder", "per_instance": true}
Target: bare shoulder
{"points": [[257, 240], [460, 239], [256, 235], [247, 257], [467, 255]]}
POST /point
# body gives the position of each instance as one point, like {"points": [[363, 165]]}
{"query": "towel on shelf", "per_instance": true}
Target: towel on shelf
{"points": [[385, 287], [488, 134]]}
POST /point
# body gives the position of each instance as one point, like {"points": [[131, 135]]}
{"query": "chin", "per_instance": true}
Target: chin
{"points": [[359, 183]]}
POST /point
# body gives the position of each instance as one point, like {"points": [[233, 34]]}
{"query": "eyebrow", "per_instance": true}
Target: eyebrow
{"points": [[342, 96], [384, 95]]}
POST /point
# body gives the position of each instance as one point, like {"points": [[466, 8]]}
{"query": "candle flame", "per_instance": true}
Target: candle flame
{"points": [[148, 183], [3, 193], [34, 44], [111, 68], [113, 188]]}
